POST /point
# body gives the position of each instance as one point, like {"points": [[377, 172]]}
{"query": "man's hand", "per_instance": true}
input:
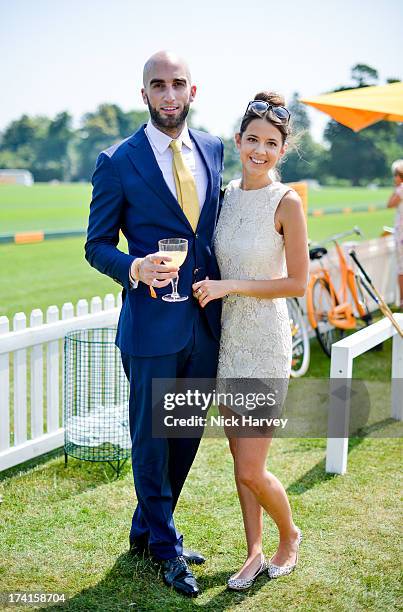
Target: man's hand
{"points": [[152, 271]]}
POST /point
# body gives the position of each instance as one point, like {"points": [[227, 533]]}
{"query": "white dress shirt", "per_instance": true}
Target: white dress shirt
{"points": [[163, 154]]}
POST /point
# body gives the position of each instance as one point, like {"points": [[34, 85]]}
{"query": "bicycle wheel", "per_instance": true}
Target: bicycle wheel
{"points": [[300, 340], [322, 302]]}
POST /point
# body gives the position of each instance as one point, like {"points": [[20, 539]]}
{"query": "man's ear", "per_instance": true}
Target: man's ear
{"points": [[193, 90], [144, 96]]}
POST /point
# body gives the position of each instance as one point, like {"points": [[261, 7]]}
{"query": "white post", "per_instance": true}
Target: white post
{"points": [[20, 385], [81, 383], [108, 365], [52, 378], [397, 377], [95, 379], [36, 320], [341, 367], [67, 313], [4, 391]]}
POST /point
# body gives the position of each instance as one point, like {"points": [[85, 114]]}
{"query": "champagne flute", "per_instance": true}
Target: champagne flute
{"points": [[177, 249]]}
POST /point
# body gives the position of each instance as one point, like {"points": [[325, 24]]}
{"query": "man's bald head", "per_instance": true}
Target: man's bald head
{"points": [[162, 59], [168, 91]]}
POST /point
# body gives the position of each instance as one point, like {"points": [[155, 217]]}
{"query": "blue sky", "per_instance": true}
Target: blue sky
{"points": [[75, 54]]}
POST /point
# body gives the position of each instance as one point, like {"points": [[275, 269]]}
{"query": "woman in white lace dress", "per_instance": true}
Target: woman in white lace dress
{"points": [[396, 201], [261, 248]]}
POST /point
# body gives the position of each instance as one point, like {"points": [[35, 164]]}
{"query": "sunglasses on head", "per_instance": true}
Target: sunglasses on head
{"points": [[260, 107]]}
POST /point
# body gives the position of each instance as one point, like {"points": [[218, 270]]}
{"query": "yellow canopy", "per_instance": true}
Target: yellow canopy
{"points": [[359, 108]]}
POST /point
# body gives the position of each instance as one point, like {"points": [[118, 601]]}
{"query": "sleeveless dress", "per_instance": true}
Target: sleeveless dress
{"points": [[256, 336]]}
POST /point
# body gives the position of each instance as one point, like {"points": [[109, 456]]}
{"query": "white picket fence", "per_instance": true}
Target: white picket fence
{"points": [[33, 357], [37, 376]]}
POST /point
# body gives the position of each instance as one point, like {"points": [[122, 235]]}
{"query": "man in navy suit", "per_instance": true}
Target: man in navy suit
{"points": [[134, 190]]}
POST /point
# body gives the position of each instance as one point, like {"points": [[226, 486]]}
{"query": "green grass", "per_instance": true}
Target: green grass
{"points": [[329, 197], [63, 207], [66, 530], [50, 272], [54, 272], [370, 223], [44, 207]]}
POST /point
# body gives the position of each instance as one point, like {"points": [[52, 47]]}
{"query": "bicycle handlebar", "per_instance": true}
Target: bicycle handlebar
{"points": [[356, 230]]}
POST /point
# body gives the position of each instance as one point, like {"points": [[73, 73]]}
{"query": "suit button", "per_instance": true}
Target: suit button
{"points": [[195, 271], [196, 236]]}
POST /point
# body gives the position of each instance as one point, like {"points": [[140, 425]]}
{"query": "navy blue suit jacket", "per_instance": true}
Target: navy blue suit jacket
{"points": [[131, 195]]}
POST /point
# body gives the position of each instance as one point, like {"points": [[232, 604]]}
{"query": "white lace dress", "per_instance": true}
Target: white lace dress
{"points": [[256, 337]]}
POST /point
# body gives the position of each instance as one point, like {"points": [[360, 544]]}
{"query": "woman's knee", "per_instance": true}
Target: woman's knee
{"points": [[251, 477]]}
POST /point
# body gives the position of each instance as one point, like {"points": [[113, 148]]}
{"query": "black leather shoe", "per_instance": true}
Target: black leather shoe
{"points": [[192, 556], [177, 575]]}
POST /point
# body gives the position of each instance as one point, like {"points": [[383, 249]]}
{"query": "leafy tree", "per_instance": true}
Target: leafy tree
{"points": [[232, 163], [364, 156], [302, 159], [364, 75], [101, 129]]}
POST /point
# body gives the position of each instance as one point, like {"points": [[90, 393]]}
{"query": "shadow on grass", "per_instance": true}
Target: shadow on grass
{"points": [[317, 474], [137, 584]]}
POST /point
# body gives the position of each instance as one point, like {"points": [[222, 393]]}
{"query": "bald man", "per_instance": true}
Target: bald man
{"points": [[138, 188]]}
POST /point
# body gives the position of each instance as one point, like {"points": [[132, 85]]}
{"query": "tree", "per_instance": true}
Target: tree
{"points": [[364, 75], [301, 160], [101, 129], [364, 156]]}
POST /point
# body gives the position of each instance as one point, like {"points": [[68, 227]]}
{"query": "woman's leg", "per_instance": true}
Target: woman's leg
{"points": [[252, 514], [250, 470]]}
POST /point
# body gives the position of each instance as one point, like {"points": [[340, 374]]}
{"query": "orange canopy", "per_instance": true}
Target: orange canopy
{"points": [[359, 108]]}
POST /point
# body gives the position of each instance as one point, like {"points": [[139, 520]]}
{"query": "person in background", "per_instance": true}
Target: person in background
{"points": [[396, 201]]}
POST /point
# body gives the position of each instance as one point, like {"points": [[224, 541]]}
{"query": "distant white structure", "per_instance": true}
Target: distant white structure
{"points": [[312, 183], [16, 177]]}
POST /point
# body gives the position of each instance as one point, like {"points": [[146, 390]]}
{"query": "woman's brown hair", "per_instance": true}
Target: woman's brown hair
{"points": [[274, 99]]}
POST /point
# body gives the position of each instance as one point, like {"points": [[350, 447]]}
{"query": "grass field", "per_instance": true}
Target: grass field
{"points": [[66, 529], [64, 207], [54, 272]]}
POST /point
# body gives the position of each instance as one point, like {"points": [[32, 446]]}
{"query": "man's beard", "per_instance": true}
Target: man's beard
{"points": [[168, 122]]}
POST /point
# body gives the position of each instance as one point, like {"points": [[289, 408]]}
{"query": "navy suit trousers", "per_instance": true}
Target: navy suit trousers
{"points": [[160, 466]]}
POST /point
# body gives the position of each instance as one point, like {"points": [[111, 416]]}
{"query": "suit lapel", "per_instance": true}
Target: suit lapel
{"points": [[142, 157]]}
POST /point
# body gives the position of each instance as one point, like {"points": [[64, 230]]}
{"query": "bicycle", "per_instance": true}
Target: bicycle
{"points": [[300, 339], [330, 313]]}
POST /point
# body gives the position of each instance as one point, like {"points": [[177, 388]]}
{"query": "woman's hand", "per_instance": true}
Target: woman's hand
{"points": [[207, 290]]}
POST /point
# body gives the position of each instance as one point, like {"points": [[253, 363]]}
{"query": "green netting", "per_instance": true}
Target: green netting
{"points": [[96, 397]]}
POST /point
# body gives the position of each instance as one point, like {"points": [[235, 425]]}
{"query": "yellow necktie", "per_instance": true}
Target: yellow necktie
{"points": [[185, 185]]}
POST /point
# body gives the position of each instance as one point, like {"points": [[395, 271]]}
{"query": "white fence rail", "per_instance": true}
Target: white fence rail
{"points": [[343, 354], [33, 358]]}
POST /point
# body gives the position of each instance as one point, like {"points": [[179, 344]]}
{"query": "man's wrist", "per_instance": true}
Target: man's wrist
{"points": [[134, 272]]}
